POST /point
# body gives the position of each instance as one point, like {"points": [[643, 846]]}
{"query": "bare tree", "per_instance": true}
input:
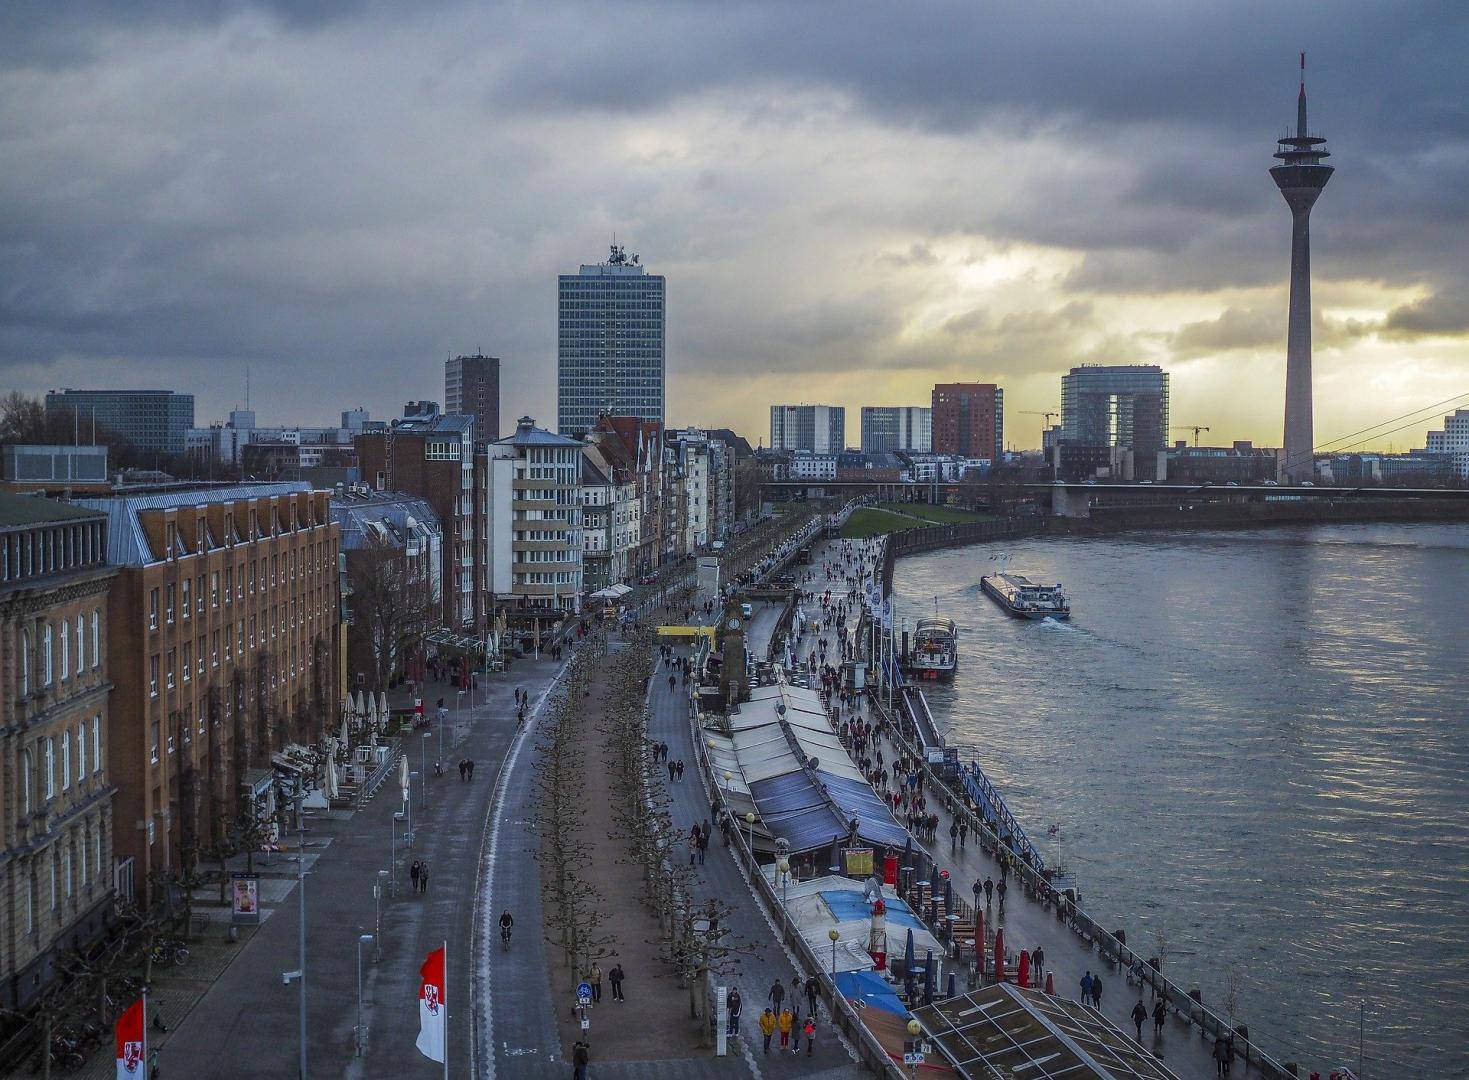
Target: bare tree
{"points": [[391, 609]]}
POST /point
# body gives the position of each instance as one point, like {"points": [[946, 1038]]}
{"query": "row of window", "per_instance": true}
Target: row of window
{"points": [[59, 866], [238, 636], [55, 643], [37, 552], [256, 575], [52, 755]]}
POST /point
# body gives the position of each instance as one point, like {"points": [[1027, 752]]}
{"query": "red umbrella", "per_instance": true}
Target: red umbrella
{"points": [[979, 941], [1000, 955], [1022, 977], [1050, 984]]}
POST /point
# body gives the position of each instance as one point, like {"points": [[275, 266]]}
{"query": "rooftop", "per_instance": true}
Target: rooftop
{"points": [[17, 510], [126, 544], [527, 434]]}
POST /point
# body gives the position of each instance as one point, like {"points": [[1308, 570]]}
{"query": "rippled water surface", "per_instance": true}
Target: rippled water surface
{"points": [[1255, 744]]}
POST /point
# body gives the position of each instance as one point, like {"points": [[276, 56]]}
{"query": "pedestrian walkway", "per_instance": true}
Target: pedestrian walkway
{"points": [[721, 878], [1027, 923]]}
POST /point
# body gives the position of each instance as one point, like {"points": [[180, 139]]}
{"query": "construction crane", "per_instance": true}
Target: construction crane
{"points": [[1195, 428], [1047, 415]]}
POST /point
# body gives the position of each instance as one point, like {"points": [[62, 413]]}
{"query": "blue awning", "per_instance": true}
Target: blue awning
{"points": [[875, 822], [871, 988]]}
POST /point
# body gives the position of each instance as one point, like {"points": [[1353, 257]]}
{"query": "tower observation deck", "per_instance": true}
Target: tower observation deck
{"points": [[1300, 177]]}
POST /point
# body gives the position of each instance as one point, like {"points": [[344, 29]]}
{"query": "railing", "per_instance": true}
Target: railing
{"points": [[1210, 1023]]}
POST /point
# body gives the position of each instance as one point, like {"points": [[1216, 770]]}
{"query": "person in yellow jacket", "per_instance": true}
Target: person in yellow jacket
{"points": [[767, 1026], [785, 1028]]}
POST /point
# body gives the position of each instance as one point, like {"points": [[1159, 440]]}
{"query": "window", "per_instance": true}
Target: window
{"points": [[153, 748], [53, 881], [82, 851], [153, 675], [96, 637], [81, 751], [188, 668], [214, 652], [229, 642], [184, 587], [153, 609], [172, 534], [275, 565], [31, 904], [66, 881], [214, 589], [168, 603], [46, 672], [25, 662], [66, 761], [200, 661], [229, 584], [240, 582], [173, 657], [97, 850], [199, 596], [81, 644], [50, 767], [97, 743], [187, 727], [65, 653], [27, 781]]}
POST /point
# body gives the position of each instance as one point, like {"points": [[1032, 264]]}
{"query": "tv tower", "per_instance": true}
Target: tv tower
{"points": [[1300, 177]]}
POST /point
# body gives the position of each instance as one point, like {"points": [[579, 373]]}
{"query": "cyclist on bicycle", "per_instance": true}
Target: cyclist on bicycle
{"points": [[506, 922]]}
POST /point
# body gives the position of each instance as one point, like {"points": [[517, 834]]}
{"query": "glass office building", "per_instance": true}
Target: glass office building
{"points": [[610, 343], [149, 419], [1122, 405]]}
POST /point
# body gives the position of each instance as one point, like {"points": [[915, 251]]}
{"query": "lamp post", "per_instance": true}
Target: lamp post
{"points": [[750, 823], [423, 770], [377, 895], [783, 869], [393, 849], [362, 939], [408, 802], [914, 1030], [834, 934]]}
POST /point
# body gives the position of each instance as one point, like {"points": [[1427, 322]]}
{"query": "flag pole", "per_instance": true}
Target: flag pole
{"points": [[145, 1031], [446, 1009]]}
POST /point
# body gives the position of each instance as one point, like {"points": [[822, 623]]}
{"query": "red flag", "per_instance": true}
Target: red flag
{"points": [[128, 1035], [433, 1007]]}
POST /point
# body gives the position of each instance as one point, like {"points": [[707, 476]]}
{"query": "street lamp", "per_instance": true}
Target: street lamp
{"points": [[377, 895], [750, 821], [834, 934], [408, 802], [362, 939], [783, 870], [393, 849], [423, 770], [914, 1030]]}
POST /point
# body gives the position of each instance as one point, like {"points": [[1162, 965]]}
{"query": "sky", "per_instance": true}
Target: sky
{"points": [[851, 201]]}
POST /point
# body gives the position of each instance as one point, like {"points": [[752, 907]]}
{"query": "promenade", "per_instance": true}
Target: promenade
{"points": [[1026, 923], [246, 1024]]}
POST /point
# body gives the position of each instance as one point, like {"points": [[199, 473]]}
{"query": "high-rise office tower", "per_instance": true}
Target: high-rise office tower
{"points": [[472, 388], [969, 420], [1118, 406], [897, 427], [1300, 177], [821, 429], [149, 419], [610, 343]]}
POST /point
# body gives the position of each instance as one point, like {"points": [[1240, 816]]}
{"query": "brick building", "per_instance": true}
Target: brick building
{"points": [[969, 420], [431, 456], [56, 877], [226, 615]]}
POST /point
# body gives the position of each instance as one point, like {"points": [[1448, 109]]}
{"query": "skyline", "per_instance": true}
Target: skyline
{"points": [[193, 195]]}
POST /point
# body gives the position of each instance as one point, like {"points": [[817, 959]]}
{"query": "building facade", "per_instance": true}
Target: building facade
{"points": [[968, 420], [56, 816], [611, 523], [1454, 441], [610, 343], [431, 456], [1121, 406], [472, 388], [533, 548], [821, 429], [886, 428], [226, 629], [156, 420]]}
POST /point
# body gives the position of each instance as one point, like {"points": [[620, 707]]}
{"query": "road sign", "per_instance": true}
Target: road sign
{"points": [[584, 993], [911, 1058]]}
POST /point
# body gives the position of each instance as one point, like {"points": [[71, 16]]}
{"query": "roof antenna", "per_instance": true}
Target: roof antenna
{"points": [[1301, 102]]}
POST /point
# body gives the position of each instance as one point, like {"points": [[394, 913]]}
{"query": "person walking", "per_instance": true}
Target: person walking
{"points": [[735, 1004], [703, 844], [1221, 1056], [777, 994], [1000, 891], [469, 764], [615, 978], [1097, 990], [1038, 958], [581, 1057], [680, 770], [767, 1027], [812, 989], [413, 872], [423, 878], [784, 1024], [1139, 1014], [595, 978], [810, 1030], [461, 770], [796, 989], [1086, 988], [989, 890], [1160, 1013], [953, 835]]}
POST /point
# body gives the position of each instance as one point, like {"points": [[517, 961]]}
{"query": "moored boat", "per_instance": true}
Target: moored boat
{"points": [[935, 650]]}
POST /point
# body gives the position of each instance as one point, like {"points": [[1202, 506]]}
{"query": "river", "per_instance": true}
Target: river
{"points": [[1256, 745]]}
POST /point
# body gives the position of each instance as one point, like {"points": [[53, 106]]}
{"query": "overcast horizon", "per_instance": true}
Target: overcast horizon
{"points": [[850, 201]]}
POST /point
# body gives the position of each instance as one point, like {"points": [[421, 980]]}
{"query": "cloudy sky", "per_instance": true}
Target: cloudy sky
{"points": [[851, 201]]}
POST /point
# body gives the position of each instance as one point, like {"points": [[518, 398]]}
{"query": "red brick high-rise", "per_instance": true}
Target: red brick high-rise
{"points": [[969, 420]]}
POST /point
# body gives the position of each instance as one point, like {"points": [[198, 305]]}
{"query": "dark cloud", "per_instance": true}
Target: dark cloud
{"points": [[325, 190]]}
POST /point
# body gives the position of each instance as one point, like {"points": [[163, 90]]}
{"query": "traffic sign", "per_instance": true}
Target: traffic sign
{"points": [[584, 993], [911, 1058]]}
